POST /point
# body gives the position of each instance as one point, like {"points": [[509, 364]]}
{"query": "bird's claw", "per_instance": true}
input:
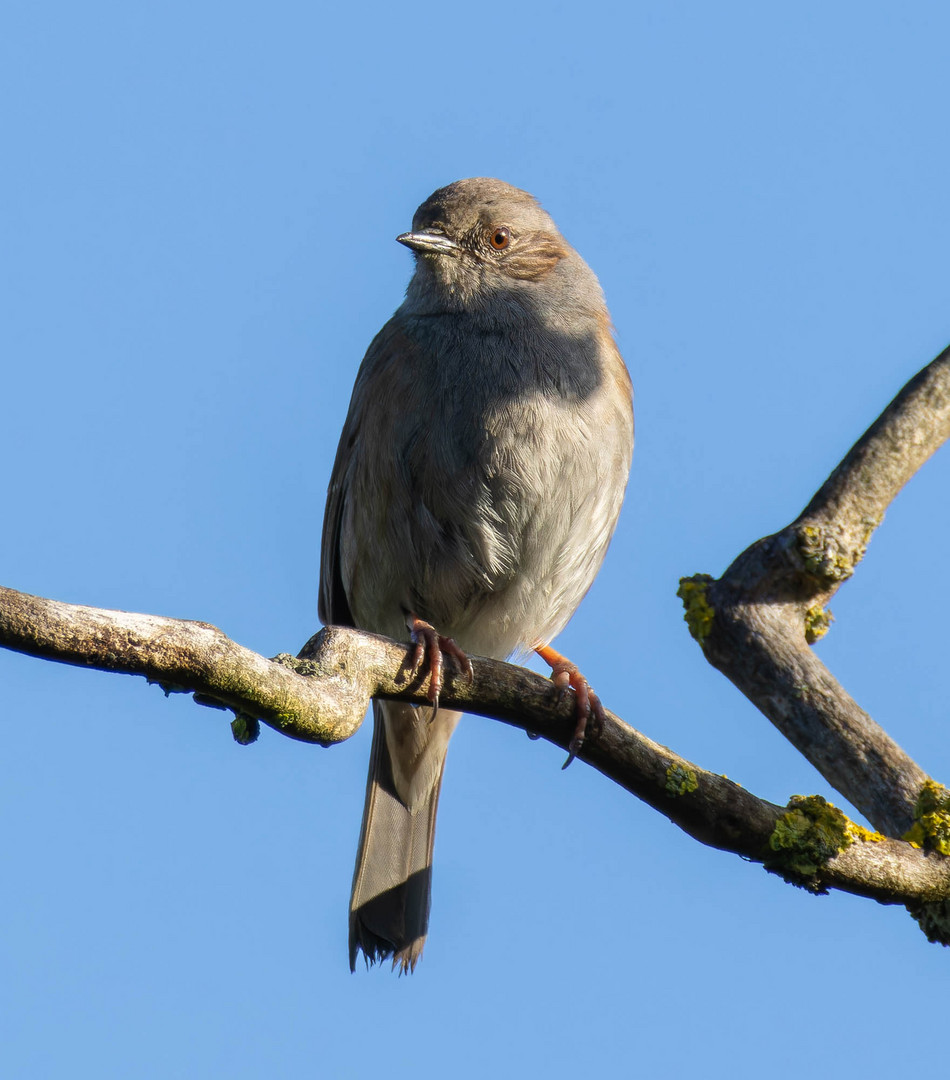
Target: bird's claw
{"points": [[590, 717], [430, 647], [589, 712]]}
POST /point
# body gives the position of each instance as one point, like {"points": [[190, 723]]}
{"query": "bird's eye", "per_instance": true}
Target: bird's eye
{"points": [[499, 238]]}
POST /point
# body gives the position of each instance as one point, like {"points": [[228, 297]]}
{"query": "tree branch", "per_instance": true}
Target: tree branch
{"points": [[323, 695], [756, 623], [182, 656]]}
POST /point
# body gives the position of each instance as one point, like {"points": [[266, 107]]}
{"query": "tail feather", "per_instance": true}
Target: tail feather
{"points": [[389, 906]]}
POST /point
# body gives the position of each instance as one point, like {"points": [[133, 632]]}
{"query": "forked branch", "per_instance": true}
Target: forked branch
{"points": [[757, 622]]}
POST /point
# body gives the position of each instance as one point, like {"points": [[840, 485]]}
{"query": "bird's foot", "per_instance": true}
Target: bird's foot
{"points": [[429, 648], [587, 706]]}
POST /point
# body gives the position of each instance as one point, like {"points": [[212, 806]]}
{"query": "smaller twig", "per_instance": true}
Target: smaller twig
{"points": [[835, 527]]}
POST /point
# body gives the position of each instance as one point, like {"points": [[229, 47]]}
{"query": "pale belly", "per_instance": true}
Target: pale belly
{"points": [[497, 551]]}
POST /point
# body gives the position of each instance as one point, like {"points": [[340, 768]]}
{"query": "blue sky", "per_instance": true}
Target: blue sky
{"points": [[199, 205]]}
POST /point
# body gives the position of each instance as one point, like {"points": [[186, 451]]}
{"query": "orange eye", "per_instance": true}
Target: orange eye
{"points": [[499, 238]]}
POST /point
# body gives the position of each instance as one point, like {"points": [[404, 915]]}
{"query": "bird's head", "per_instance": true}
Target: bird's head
{"points": [[479, 240]]}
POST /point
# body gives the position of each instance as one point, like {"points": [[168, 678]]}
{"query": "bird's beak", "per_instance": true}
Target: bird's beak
{"points": [[429, 243]]}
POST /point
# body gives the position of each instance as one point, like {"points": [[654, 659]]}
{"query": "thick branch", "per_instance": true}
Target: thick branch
{"points": [[181, 656], [762, 613], [341, 669]]}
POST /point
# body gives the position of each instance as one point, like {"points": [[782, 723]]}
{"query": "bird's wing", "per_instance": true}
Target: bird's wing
{"points": [[334, 605]]}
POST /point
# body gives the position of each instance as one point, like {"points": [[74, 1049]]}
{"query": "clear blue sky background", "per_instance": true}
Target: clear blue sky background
{"points": [[199, 203]]}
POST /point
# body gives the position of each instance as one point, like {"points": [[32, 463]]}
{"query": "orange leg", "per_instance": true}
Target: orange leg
{"points": [[564, 674], [428, 647]]}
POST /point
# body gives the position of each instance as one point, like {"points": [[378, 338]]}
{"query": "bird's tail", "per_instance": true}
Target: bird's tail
{"points": [[389, 906]]}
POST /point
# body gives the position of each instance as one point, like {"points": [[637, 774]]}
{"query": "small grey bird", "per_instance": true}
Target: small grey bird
{"points": [[475, 490]]}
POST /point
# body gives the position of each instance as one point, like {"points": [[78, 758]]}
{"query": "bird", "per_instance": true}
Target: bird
{"points": [[477, 483]]}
